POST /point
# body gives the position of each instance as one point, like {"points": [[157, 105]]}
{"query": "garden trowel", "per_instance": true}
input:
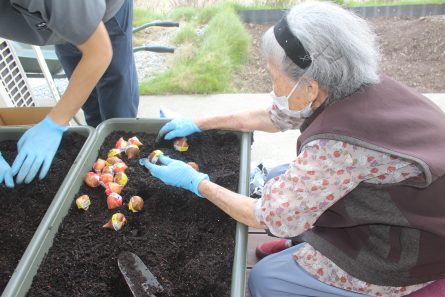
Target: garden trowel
{"points": [[141, 281]]}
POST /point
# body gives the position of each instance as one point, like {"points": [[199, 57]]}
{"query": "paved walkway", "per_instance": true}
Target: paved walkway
{"points": [[270, 148]]}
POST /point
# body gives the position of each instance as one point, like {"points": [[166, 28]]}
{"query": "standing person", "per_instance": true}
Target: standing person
{"points": [[366, 189], [93, 41]]}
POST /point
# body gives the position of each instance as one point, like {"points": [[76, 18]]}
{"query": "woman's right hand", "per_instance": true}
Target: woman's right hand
{"points": [[179, 127]]}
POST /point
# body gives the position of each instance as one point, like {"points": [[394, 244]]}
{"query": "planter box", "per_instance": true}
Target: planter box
{"points": [[136, 126], [31, 254]]}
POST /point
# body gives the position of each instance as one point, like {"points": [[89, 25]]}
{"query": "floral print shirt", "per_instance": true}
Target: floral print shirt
{"points": [[323, 173]]}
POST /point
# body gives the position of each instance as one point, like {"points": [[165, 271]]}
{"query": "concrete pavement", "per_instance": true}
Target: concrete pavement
{"points": [[270, 148]]}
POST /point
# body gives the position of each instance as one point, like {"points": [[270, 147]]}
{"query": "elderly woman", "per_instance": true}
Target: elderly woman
{"points": [[366, 190]]}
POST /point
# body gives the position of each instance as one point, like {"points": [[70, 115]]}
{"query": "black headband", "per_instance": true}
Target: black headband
{"points": [[291, 45]]}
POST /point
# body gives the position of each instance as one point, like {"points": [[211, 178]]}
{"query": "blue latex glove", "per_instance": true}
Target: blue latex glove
{"points": [[176, 173], [180, 127], [37, 148], [5, 173]]}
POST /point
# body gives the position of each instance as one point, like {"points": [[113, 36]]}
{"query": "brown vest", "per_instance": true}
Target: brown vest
{"points": [[393, 234]]}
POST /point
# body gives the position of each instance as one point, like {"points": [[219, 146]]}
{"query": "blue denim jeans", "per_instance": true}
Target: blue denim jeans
{"points": [[116, 95]]}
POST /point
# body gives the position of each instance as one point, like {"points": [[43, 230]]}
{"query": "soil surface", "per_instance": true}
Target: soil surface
{"points": [[185, 241], [412, 49], [24, 206]]}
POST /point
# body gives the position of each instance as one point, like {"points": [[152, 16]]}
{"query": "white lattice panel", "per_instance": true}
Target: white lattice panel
{"points": [[14, 88]]}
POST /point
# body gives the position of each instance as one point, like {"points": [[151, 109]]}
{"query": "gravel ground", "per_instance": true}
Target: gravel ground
{"points": [[149, 64]]}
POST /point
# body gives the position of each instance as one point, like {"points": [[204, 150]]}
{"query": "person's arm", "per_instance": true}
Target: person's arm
{"points": [[38, 146], [239, 207], [250, 120], [96, 56]]}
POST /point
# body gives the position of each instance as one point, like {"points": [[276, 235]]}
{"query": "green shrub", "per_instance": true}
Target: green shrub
{"points": [[142, 16], [207, 13], [186, 33], [183, 14], [226, 33], [206, 64]]}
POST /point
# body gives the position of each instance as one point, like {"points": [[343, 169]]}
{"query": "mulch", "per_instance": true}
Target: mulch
{"points": [[23, 207], [413, 52]]}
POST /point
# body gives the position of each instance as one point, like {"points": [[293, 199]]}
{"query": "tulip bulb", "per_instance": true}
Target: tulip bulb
{"points": [[106, 178], [117, 222], [193, 165], [112, 187], [116, 168], [119, 167], [92, 179], [112, 160], [121, 178], [108, 170], [121, 143], [83, 202], [136, 204], [114, 153], [180, 144], [131, 151], [114, 200], [99, 165], [134, 140], [154, 156]]}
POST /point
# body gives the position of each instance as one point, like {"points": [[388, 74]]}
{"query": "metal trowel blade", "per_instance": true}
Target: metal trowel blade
{"points": [[141, 281]]}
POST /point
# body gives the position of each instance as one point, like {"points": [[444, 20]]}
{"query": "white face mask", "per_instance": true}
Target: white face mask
{"points": [[282, 102]]}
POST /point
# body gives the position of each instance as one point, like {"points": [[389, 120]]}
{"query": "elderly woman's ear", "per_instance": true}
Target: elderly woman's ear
{"points": [[316, 94]]}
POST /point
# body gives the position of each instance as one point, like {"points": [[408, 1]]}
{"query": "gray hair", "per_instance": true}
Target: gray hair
{"points": [[342, 46]]}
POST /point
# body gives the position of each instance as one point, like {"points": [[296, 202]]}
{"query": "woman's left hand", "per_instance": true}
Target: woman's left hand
{"points": [[176, 173]]}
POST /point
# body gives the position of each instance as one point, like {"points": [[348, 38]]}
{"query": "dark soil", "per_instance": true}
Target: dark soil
{"points": [[413, 52], [23, 207], [186, 242]]}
